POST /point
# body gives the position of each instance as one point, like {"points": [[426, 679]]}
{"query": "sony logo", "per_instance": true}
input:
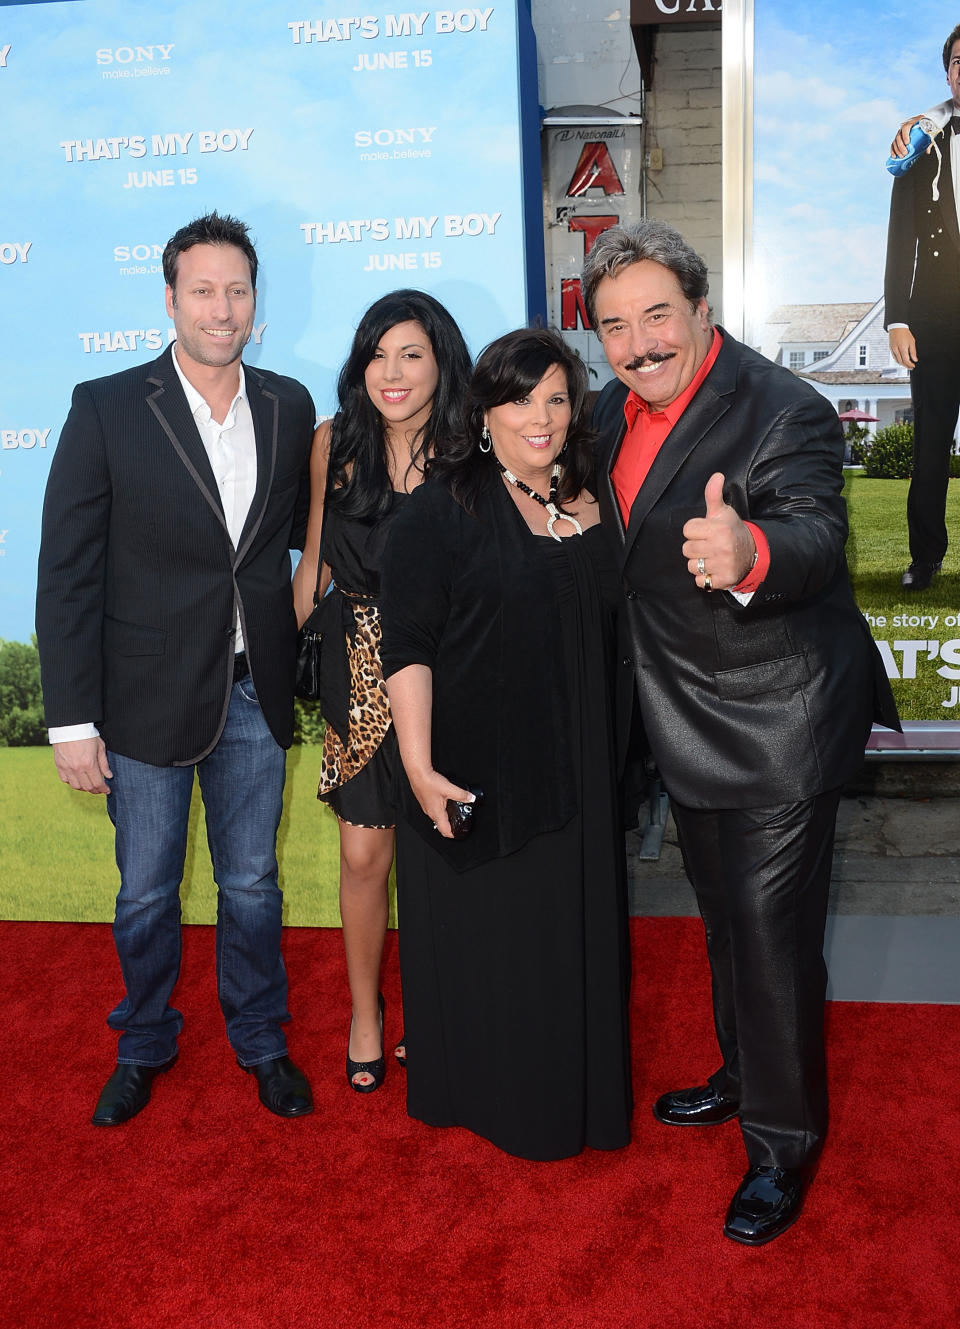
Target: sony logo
{"points": [[142, 253], [383, 138], [129, 55]]}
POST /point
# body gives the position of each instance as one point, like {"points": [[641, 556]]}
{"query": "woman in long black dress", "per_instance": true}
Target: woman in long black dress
{"points": [[400, 390], [499, 600]]}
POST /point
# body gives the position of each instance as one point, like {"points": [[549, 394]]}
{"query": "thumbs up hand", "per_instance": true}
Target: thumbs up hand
{"points": [[718, 547]]}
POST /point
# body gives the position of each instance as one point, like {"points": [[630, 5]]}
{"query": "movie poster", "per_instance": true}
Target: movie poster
{"points": [[831, 85], [368, 150]]}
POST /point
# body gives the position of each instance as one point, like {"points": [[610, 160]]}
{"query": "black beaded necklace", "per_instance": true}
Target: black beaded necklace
{"points": [[550, 503]]}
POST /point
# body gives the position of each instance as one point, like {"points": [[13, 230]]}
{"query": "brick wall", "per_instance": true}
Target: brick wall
{"points": [[683, 113]]}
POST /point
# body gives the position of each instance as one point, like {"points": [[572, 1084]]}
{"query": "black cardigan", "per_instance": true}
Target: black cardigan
{"points": [[471, 597]]}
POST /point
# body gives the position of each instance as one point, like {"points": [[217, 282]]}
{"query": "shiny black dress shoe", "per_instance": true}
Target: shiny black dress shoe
{"points": [[126, 1093], [701, 1106], [283, 1088], [918, 576], [766, 1203]]}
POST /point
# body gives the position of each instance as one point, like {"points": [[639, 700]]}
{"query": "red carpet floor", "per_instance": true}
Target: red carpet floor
{"points": [[207, 1211]]}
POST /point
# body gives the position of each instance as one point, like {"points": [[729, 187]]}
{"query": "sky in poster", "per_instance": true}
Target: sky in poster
{"points": [[831, 84], [366, 150]]}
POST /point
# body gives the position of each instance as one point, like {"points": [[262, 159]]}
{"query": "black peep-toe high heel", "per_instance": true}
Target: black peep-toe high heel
{"points": [[377, 1069]]}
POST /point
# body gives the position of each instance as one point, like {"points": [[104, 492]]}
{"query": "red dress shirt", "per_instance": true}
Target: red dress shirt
{"points": [[647, 430]]}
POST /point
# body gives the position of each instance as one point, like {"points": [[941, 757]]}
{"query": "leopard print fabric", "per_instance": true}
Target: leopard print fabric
{"points": [[369, 710]]}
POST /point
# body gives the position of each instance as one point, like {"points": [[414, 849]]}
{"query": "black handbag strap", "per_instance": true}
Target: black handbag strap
{"points": [[323, 527]]}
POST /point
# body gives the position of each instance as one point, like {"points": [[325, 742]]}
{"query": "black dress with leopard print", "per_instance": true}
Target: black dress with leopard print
{"points": [[359, 744]]}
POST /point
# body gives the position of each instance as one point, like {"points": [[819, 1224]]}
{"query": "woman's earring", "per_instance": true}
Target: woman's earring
{"points": [[485, 439]]}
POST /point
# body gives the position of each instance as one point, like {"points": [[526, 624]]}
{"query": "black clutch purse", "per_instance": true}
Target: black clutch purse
{"points": [[309, 639], [306, 679], [460, 815]]}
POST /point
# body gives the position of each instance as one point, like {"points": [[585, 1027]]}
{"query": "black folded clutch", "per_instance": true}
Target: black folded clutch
{"points": [[460, 815]]}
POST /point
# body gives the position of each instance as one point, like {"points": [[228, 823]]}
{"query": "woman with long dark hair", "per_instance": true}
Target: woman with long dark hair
{"points": [[499, 608], [400, 393]]}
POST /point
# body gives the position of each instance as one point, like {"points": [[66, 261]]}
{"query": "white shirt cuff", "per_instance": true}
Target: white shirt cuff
{"points": [[71, 733]]}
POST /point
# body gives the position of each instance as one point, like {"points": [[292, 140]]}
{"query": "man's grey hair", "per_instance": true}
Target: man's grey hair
{"points": [[621, 246]]}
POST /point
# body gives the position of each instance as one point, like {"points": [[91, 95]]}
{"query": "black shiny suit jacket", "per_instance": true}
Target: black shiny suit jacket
{"points": [[772, 702], [139, 579]]}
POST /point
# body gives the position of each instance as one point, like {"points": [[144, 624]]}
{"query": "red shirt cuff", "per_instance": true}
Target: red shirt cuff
{"points": [[754, 578]]}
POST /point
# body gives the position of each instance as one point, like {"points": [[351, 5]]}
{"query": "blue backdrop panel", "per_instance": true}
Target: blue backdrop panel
{"points": [[367, 151]]}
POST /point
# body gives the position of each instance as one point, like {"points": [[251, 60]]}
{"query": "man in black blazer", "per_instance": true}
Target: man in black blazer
{"points": [[922, 311], [719, 474], [167, 639]]}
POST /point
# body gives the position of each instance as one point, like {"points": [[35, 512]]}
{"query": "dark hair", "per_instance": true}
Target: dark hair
{"points": [[359, 473], [209, 230], [948, 47], [507, 370], [621, 246]]}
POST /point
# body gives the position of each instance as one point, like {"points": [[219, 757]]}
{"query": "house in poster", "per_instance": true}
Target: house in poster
{"points": [[842, 350]]}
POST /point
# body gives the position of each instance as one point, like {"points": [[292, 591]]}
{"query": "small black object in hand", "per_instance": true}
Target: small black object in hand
{"points": [[460, 815]]}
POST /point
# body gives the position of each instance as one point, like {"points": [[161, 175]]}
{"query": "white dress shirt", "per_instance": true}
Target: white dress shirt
{"points": [[232, 452]]}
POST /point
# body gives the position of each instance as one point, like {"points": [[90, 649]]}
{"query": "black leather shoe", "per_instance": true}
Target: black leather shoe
{"points": [[283, 1088], [701, 1106], [766, 1203], [126, 1093], [918, 576]]}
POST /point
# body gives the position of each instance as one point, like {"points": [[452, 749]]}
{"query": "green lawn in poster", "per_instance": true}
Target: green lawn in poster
{"points": [[877, 553], [58, 848]]}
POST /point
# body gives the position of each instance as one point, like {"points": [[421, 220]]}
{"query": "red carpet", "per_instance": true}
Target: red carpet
{"points": [[206, 1211]]}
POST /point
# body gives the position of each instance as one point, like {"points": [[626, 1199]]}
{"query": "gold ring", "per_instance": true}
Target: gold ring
{"points": [[707, 583], [701, 567]]}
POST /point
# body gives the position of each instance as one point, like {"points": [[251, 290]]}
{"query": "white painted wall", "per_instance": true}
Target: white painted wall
{"points": [[586, 55]]}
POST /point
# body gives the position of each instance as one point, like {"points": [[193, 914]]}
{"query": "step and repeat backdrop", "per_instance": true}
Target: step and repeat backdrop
{"points": [[367, 151]]}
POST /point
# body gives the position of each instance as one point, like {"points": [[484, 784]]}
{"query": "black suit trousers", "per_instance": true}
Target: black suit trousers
{"points": [[935, 388], [762, 878]]}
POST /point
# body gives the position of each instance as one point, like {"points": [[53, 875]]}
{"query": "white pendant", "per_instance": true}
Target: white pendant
{"points": [[555, 516]]}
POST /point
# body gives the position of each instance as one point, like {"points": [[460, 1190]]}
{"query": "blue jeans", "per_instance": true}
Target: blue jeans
{"points": [[241, 782]]}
